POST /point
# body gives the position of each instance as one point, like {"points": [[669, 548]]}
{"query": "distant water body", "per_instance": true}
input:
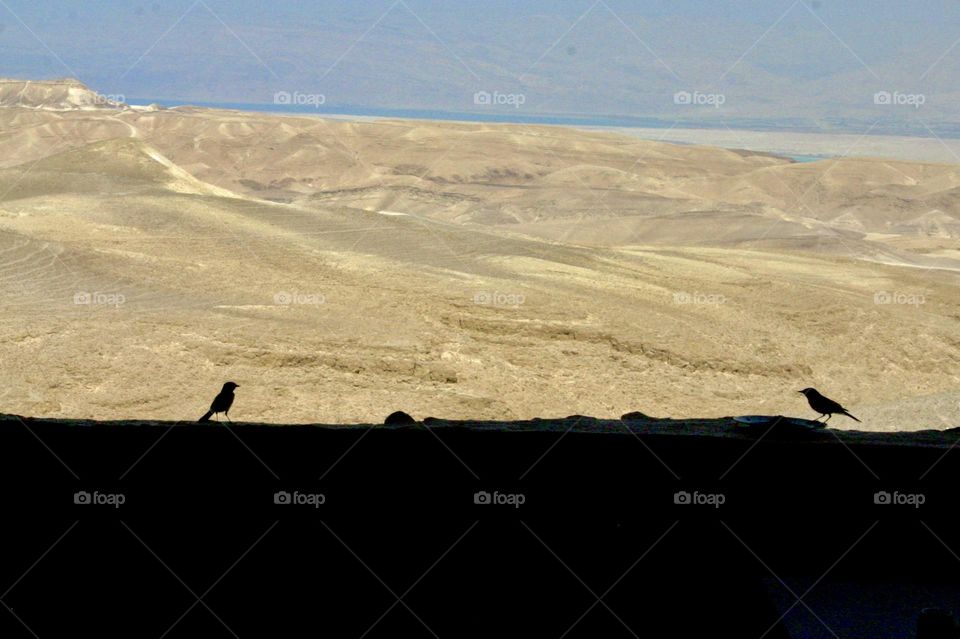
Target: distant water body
{"points": [[499, 117]]}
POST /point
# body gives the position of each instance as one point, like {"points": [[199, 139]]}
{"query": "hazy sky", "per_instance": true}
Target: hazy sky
{"points": [[768, 60]]}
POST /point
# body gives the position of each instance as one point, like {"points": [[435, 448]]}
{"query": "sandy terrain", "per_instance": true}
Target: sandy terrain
{"points": [[342, 270], [823, 145]]}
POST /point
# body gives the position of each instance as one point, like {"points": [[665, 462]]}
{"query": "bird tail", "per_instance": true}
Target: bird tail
{"points": [[206, 418], [851, 416]]}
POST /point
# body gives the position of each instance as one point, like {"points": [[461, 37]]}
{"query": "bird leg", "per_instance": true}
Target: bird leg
{"points": [[828, 418]]}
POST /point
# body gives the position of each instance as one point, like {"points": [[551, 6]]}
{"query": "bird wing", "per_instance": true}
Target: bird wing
{"points": [[220, 403], [832, 406]]}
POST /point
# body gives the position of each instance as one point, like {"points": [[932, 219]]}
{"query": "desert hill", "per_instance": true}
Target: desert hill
{"points": [[548, 182], [53, 95], [345, 269]]}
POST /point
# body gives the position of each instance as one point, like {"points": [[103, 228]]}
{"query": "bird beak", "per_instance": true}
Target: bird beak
{"points": [[800, 392]]}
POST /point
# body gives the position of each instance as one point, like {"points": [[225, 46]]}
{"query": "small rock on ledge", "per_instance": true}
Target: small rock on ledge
{"points": [[398, 417], [637, 416]]}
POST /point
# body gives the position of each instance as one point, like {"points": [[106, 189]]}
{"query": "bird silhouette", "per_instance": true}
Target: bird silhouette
{"points": [[221, 403], [824, 405]]}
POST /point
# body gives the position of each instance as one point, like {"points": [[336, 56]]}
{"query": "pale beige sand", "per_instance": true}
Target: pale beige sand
{"points": [[339, 271]]}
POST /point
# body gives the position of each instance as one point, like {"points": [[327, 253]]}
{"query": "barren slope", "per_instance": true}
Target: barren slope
{"points": [[134, 289], [549, 182]]}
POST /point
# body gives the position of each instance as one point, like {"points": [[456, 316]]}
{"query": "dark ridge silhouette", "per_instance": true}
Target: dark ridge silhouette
{"points": [[780, 427], [598, 494], [824, 405], [221, 403], [398, 417], [637, 416]]}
